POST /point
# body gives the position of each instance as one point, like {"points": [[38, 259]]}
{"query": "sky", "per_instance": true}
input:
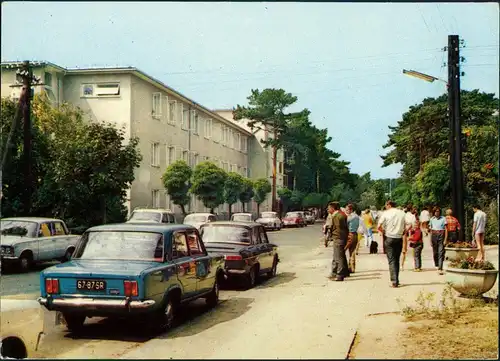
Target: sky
{"points": [[343, 61]]}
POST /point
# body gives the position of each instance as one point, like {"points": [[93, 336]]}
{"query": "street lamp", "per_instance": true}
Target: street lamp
{"points": [[426, 77]]}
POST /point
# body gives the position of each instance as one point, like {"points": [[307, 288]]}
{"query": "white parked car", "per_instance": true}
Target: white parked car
{"points": [[26, 240], [310, 219], [199, 219], [151, 215], [22, 327], [270, 220], [242, 217]]}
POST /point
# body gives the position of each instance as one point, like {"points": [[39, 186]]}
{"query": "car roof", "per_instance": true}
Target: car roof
{"points": [[235, 223], [242, 214], [157, 210], [31, 219], [142, 227], [200, 214]]}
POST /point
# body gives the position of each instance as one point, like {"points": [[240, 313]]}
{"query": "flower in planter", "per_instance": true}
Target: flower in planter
{"points": [[460, 245], [471, 263]]}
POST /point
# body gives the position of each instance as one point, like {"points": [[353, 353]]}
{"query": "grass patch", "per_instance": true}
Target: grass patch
{"points": [[450, 328]]}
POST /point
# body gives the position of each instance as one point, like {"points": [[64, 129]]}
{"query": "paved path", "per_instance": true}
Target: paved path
{"points": [[298, 314]]}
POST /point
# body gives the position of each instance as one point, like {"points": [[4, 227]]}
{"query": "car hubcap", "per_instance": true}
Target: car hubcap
{"points": [[24, 263], [169, 313]]}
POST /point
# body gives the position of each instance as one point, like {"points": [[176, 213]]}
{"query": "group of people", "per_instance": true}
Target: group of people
{"points": [[400, 228]]}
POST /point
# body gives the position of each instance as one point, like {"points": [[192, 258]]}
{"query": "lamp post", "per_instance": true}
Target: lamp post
{"points": [[455, 124]]}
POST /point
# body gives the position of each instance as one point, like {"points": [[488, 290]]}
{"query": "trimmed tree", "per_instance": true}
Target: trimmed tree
{"points": [[246, 193], [262, 188], [285, 195], [207, 183], [233, 186], [176, 182]]}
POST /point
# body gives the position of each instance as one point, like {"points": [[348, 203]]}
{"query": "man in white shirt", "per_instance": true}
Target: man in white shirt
{"points": [[425, 217], [478, 230], [392, 224]]}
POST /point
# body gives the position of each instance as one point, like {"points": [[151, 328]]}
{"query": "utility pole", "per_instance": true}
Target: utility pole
{"points": [[455, 123], [275, 153]]}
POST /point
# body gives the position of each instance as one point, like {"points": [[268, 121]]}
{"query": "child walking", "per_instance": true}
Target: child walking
{"points": [[417, 243]]}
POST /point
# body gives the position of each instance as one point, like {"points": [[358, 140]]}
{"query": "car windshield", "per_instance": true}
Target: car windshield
{"points": [[292, 214], [268, 215], [121, 245], [225, 234], [242, 217], [18, 228], [195, 218], [145, 216]]}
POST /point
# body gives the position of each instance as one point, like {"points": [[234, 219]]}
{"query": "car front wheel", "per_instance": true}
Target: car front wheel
{"points": [[274, 269], [251, 279], [213, 298]]}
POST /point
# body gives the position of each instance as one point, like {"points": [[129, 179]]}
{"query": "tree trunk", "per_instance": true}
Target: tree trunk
{"points": [[258, 210], [230, 209], [243, 206], [183, 210]]}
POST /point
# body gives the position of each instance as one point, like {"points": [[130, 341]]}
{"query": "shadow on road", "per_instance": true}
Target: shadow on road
{"points": [[278, 280], [362, 278], [422, 284], [192, 319], [202, 318], [38, 267]]}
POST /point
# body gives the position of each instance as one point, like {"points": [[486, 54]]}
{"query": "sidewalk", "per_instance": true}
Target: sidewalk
{"points": [[308, 316]]}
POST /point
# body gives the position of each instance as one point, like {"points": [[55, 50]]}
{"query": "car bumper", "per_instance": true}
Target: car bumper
{"points": [[93, 305], [9, 258]]}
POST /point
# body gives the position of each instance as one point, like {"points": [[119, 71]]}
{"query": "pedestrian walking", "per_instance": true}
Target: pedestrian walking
{"points": [[380, 229], [425, 217], [416, 242], [336, 224], [368, 221], [452, 226], [353, 222], [362, 232], [478, 230], [439, 236], [392, 223]]}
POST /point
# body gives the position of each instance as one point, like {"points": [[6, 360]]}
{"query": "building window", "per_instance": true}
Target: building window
{"points": [[155, 198], [194, 125], [234, 168], [238, 141], [101, 90], [245, 172], [185, 118], [185, 156], [48, 79], [244, 144], [155, 154], [168, 202], [170, 154], [196, 159], [208, 128], [280, 168], [217, 136], [172, 111], [156, 105]]}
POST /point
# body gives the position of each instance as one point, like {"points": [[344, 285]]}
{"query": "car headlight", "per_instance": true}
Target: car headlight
{"points": [[7, 250]]}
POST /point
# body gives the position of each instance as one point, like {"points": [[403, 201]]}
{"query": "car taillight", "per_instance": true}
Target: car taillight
{"points": [[297, 220], [130, 288], [52, 285], [233, 258]]}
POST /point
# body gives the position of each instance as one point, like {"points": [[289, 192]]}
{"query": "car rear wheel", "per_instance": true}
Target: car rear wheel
{"points": [[25, 262], [213, 298], [67, 255], [169, 312], [274, 269], [251, 280], [74, 322]]}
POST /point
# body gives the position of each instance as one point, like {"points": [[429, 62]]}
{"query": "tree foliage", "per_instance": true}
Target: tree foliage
{"points": [[208, 184], [176, 181], [233, 187], [246, 193], [262, 188], [82, 168]]}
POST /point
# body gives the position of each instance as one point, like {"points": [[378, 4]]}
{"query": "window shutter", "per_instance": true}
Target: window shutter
{"points": [[167, 108]]}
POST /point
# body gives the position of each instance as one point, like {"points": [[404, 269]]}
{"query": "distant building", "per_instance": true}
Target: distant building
{"points": [[169, 125]]}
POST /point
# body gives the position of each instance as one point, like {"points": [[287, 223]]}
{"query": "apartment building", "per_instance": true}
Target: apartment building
{"points": [[260, 160], [169, 125]]}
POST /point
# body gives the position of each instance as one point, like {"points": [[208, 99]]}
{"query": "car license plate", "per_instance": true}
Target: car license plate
{"points": [[91, 285]]}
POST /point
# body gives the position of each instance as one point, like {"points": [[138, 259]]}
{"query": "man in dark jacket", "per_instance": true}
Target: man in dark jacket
{"points": [[336, 225]]}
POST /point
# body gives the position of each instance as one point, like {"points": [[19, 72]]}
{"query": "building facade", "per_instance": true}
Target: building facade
{"points": [[169, 126]]}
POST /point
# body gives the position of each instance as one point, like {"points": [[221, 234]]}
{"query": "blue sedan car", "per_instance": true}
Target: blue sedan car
{"points": [[136, 270]]}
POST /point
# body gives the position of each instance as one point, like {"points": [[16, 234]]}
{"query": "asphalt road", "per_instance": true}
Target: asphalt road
{"points": [[102, 338]]}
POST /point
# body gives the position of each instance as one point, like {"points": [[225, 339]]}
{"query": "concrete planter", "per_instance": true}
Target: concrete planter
{"points": [[471, 282], [460, 253]]}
